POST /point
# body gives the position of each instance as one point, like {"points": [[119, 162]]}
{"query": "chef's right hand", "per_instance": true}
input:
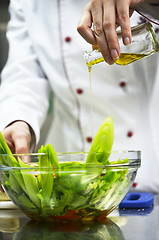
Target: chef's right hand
{"points": [[18, 137], [99, 21]]}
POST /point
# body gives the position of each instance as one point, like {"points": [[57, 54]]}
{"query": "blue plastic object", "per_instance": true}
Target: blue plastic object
{"points": [[135, 211], [137, 200]]}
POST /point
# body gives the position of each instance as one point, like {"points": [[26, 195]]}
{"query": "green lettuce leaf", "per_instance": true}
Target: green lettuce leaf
{"points": [[48, 166], [102, 144]]}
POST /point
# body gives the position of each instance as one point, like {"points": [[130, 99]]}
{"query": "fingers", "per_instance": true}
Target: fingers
{"points": [[22, 145], [122, 7], [84, 26], [21, 142], [103, 16], [18, 138], [97, 19], [112, 50]]}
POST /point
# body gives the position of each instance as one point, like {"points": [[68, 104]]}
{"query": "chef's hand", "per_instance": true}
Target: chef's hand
{"points": [[104, 16], [18, 137]]}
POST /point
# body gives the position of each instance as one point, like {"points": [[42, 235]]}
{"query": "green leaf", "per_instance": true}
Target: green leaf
{"points": [[102, 144], [31, 183], [25, 202], [8, 160], [47, 165], [14, 184]]}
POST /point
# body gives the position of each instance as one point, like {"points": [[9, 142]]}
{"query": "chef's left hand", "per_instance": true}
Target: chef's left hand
{"points": [[19, 138]]}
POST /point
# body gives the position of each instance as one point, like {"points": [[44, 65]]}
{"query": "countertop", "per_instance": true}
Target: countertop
{"points": [[121, 224]]}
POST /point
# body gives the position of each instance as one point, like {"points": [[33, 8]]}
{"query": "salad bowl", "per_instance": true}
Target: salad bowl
{"points": [[68, 186]]}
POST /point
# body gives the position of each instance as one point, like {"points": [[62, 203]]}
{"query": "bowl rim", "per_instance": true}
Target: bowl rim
{"points": [[133, 162], [71, 153]]}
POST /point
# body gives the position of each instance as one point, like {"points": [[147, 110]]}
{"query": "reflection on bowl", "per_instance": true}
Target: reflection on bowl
{"points": [[3, 196], [106, 230], [71, 190], [8, 224]]}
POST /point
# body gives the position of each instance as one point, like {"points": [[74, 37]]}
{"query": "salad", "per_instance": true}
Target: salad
{"points": [[51, 189]]}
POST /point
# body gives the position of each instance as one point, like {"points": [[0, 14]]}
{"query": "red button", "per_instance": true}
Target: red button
{"points": [[67, 39], [79, 91], [134, 184], [122, 84], [89, 139], [130, 134]]}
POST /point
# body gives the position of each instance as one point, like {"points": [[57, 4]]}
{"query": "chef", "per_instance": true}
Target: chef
{"points": [[45, 64]]}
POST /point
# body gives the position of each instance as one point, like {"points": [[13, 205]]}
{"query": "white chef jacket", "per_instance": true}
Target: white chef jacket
{"points": [[46, 52]]}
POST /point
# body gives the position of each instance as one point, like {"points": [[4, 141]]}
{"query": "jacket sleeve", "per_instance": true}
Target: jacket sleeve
{"points": [[24, 89], [151, 10]]}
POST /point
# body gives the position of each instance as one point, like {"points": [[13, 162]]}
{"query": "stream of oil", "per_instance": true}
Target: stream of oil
{"points": [[90, 93], [124, 59]]}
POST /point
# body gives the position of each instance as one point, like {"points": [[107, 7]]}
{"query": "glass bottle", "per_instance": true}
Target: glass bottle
{"points": [[144, 43]]}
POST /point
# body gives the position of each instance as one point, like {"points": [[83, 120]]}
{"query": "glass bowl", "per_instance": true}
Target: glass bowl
{"points": [[73, 190]]}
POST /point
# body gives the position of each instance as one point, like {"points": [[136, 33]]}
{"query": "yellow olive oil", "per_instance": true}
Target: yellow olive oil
{"points": [[93, 62], [124, 59], [90, 98]]}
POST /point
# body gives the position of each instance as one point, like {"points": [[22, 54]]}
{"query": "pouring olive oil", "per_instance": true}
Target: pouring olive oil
{"points": [[144, 43], [124, 59]]}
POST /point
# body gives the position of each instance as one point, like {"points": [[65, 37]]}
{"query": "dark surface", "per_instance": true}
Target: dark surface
{"points": [[4, 17]]}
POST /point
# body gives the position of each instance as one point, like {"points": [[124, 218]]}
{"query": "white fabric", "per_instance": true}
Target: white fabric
{"points": [[40, 59]]}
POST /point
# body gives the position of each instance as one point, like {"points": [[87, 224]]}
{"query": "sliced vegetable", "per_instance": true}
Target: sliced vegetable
{"points": [[47, 165], [30, 181], [102, 144]]}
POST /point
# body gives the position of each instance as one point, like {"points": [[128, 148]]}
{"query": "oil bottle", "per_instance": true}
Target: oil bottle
{"points": [[144, 43]]}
